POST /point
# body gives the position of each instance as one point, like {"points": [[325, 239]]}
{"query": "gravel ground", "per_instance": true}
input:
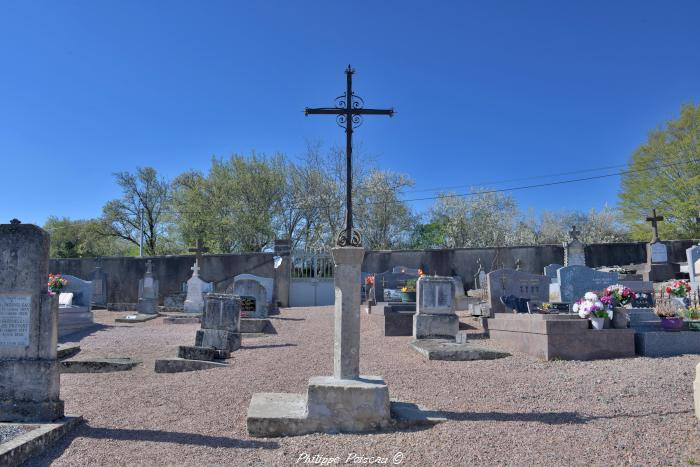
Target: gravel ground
{"points": [[512, 411], [7, 432]]}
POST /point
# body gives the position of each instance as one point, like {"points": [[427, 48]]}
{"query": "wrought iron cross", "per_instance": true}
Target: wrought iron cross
{"points": [[199, 249], [574, 233], [349, 109], [654, 219]]}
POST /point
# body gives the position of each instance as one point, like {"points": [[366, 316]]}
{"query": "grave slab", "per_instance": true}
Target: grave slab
{"points": [[444, 349], [67, 350], [38, 438], [98, 365], [191, 352], [667, 344], [182, 320], [398, 319], [257, 326], [181, 365], [136, 318], [559, 337]]}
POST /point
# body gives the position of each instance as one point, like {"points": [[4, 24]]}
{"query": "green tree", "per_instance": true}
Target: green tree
{"points": [[145, 198], [83, 238], [664, 173]]}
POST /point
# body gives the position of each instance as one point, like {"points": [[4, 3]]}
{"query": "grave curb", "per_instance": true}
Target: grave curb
{"points": [[34, 442]]}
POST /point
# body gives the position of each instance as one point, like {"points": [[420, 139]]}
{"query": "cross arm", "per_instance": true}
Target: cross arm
{"points": [[324, 111]]}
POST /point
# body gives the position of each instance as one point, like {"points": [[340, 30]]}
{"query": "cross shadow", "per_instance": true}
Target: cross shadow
{"points": [[266, 346], [80, 335], [548, 418], [157, 436]]}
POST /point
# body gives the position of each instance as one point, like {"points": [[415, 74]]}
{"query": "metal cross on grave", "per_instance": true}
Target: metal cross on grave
{"points": [[654, 219], [199, 249], [349, 109], [574, 233]]}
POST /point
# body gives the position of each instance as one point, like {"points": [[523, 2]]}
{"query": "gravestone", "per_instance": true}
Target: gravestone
{"points": [[257, 288], [657, 268], [148, 292], [75, 310], [435, 308], [388, 284], [196, 288], [574, 250], [693, 255], [405, 270], [504, 283], [551, 271], [99, 287], [644, 293], [221, 323], [29, 370], [575, 281]]}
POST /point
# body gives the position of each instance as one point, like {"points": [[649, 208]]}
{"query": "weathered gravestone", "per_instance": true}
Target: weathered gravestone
{"points": [[508, 284], [435, 309], [574, 250], [256, 289], [657, 268], [148, 291], [99, 287], [221, 323], [388, 284], [75, 306], [29, 370], [643, 291], [575, 281], [551, 271], [693, 255]]}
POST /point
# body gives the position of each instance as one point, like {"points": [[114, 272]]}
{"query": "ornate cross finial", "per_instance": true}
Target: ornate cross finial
{"points": [[654, 219], [199, 248], [15, 221], [574, 233], [195, 269]]}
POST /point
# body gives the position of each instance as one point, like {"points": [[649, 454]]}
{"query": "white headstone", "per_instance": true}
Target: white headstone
{"points": [[659, 252]]}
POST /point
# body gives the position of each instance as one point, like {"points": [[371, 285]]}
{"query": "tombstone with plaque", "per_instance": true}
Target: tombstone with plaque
{"points": [[148, 292], [657, 268], [574, 249], [29, 370]]}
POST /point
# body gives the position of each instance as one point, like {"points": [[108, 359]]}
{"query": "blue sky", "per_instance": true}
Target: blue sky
{"points": [[484, 91]]}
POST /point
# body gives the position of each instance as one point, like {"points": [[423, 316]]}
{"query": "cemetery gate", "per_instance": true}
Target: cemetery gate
{"points": [[311, 283]]}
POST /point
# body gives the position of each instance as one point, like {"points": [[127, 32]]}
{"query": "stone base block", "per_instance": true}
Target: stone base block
{"points": [[30, 412], [329, 406], [67, 350], [443, 349], [98, 365], [135, 318], [696, 388], [147, 306], [180, 365], [256, 326], [196, 353], [659, 272], [559, 337], [435, 326], [666, 344], [35, 441], [398, 323], [29, 391], [222, 340]]}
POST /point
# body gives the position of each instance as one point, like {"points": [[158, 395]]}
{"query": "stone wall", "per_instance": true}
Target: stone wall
{"points": [[123, 273]]}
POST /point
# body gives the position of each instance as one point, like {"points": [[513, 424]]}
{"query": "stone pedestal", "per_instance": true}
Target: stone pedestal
{"points": [[29, 370], [657, 268], [346, 347], [435, 310], [220, 323]]}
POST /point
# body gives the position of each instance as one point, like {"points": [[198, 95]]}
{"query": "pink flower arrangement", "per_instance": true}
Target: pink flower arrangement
{"points": [[590, 307], [56, 283], [617, 295], [679, 288]]}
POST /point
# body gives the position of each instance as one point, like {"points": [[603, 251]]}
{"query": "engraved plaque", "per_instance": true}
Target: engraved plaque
{"points": [[659, 253], [15, 311]]}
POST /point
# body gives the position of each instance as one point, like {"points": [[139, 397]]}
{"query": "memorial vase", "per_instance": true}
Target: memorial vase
{"points": [[598, 323], [672, 324]]}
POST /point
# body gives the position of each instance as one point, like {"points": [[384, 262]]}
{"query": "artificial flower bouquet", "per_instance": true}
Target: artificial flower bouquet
{"points": [[56, 283], [617, 295], [679, 288], [590, 306]]}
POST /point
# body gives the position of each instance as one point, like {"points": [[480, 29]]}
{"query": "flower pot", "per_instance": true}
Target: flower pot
{"points": [[408, 297], [620, 318], [672, 324], [598, 323], [694, 325]]}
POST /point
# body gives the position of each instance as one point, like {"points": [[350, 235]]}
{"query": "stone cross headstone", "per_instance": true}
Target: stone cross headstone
{"points": [[503, 283], [574, 249], [148, 291], [196, 287], [575, 281], [435, 308], [654, 220], [29, 370]]}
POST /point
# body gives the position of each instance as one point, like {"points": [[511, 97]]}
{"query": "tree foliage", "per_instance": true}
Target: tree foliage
{"points": [[83, 238], [664, 173]]}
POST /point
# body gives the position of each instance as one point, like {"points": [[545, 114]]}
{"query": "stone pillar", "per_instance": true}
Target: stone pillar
{"points": [[282, 273], [29, 372], [697, 391], [346, 349]]}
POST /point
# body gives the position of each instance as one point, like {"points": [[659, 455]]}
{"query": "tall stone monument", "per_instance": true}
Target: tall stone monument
{"points": [[344, 402], [148, 292], [99, 287], [29, 370], [574, 249]]}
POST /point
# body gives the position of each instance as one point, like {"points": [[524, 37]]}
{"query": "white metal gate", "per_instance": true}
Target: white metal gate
{"points": [[312, 282]]}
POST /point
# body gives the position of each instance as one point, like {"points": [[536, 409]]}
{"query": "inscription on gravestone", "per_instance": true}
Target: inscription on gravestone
{"points": [[659, 253], [14, 319]]}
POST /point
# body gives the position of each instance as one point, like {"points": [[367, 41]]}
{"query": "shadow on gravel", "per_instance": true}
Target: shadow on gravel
{"points": [[286, 319], [79, 335], [158, 436], [550, 418], [266, 346]]}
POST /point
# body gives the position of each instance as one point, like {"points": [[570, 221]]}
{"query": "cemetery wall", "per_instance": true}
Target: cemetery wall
{"points": [[123, 273]]}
